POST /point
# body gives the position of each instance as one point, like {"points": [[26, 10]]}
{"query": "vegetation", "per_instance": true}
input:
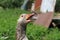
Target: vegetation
{"points": [[11, 3], [35, 32], [8, 20], [57, 8]]}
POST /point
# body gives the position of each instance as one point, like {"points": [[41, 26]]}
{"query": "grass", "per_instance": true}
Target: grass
{"points": [[8, 20]]}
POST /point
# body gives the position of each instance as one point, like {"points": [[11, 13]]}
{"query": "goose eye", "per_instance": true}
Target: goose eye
{"points": [[21, 16]]}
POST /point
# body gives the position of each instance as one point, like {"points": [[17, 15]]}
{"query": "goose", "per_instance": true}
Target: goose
{"points": [[23, 20]]}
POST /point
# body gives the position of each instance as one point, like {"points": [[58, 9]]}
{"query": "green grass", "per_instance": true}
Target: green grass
{"points": [[8, 20], [35, 32]]}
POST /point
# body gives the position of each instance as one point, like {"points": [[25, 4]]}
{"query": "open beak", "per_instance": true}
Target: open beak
{"points": [[28, 16]]}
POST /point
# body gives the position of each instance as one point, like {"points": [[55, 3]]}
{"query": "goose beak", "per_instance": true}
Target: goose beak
{"points": [[28, 16]]}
